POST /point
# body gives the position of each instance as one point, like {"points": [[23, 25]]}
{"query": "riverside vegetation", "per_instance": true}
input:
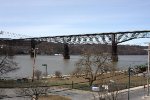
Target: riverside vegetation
{"points": [[94, 68]]}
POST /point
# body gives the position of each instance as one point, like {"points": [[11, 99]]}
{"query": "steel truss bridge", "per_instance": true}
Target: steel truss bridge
{"points": [[113, 38]]}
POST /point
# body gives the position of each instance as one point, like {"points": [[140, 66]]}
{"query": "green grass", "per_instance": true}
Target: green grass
{"points": [[120, 79]]}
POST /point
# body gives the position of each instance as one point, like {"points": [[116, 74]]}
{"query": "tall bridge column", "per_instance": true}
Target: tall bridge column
{"points": [[66, 51], [114, 50], [32, 48]]}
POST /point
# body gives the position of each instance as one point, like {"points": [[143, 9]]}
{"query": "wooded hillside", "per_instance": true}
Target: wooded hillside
{"points": [[46, 48]]}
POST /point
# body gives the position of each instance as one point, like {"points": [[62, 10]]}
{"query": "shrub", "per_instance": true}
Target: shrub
{"points": [[58, 74]]}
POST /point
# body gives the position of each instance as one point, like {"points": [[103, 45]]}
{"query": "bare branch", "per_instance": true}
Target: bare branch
{"points": [[34, 91], [92, 65], [7, 65]]}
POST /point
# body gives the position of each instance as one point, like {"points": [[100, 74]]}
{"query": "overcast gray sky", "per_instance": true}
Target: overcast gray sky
{"points": [[66, 17]]}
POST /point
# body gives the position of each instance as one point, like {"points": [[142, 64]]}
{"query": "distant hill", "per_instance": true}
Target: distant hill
{"points": [[132, 50], [45, 48], [76, 49]]}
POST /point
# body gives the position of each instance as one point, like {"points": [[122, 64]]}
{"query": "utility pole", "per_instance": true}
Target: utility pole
{"points": [[148, 74], [33, 64], [129, 70]]}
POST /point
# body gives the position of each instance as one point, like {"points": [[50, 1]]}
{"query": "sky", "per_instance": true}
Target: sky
{"points": [[66, 17]]}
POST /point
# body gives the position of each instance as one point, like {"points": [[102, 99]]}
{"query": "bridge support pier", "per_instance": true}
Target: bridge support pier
{"points": [[32, 48], [114, 53], [66, 51]]}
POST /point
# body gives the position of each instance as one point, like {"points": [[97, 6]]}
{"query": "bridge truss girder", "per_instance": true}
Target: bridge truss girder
{"points": [[97, 38]]}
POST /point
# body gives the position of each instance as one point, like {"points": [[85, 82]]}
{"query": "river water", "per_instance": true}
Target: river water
{"points": [[57, 63]]}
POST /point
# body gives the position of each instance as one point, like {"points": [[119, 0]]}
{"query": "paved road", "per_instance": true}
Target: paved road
{"points": [[135, 94], [73, 94]]}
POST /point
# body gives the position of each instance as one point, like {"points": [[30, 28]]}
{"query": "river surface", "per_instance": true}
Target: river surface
{"points": [[57, 63]]}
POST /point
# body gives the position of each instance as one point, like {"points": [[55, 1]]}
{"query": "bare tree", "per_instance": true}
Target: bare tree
{"points": [[7, 65], [34, 91], [38, 74], [113, 90], [93, 65]]}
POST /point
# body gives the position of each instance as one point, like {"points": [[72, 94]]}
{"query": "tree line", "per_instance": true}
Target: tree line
{"points": [[47, 48]]}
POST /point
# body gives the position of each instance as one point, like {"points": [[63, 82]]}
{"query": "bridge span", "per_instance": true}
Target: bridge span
{"points": [[113, 38]]}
